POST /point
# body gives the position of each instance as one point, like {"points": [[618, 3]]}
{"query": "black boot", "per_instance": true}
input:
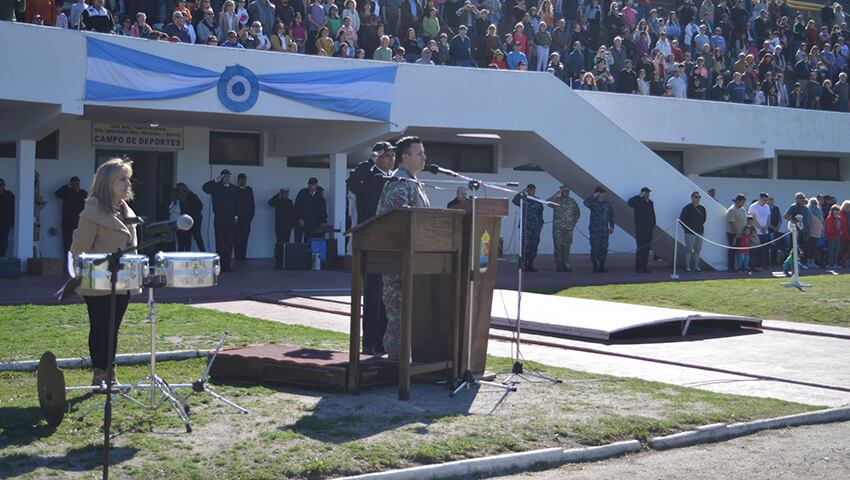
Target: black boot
{"points": [[595, 266], [602, 268]]}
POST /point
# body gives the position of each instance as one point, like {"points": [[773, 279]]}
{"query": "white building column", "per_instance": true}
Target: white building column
{"points": [[339, 172], [24, 199]]}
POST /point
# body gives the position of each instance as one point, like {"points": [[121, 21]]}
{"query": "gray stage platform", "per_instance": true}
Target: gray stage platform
{"points": [[576, 317]]}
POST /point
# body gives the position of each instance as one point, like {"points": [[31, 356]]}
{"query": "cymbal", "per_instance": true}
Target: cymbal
{"points": [[51, 389]]}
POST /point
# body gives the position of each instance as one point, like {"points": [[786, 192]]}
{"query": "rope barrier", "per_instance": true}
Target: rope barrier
{"points": [[729, 247], [658, 237]]}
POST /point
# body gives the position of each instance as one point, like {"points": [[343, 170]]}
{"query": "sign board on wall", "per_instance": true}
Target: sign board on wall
{"points": [[133, 135]]}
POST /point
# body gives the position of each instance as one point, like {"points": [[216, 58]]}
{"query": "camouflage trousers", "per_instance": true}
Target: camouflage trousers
{"points": [[392, 305], [563, 240], [598, 246]]}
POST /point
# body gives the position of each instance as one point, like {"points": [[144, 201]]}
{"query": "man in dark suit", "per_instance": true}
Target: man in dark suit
{"points": [[284, 215], [190, 205], [460, 197], [7, 216], [311, 210], [411, 16], [73, 202], [367, 186], [644, 210], [224, 196], [245, 215]]}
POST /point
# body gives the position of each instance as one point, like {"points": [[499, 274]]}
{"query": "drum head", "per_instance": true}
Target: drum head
{"points": [[186, 256], [51, 389]]}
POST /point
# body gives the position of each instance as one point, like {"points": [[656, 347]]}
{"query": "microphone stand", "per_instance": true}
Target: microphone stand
{"points": [[113, 261], [517, 370], [468, 379]]}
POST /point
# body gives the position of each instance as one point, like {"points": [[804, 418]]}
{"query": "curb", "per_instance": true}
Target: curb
{"points": [[549, 457], [722, 431], [123, 359]]}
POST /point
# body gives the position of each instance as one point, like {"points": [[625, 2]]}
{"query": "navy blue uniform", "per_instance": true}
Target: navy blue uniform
{"points": [[532, 224], [224, 208]]}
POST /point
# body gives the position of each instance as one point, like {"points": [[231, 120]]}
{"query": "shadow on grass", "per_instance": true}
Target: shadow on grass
{"points": [[22, 426], [340, 418], [81, 459]]}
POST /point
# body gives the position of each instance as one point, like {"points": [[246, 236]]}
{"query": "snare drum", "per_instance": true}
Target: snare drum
{"points": [[188, 269], [134, 271]]}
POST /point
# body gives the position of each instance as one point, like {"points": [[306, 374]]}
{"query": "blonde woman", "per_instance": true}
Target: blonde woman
{"points": [[103, 228], [228, 20]]}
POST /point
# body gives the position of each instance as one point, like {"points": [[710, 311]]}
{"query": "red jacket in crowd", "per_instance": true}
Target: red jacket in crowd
{"points": [[45, 8], [834, 226]]}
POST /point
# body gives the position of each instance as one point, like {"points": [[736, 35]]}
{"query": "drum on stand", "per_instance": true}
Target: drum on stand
{"points": [[188, 269], [93, 272]]}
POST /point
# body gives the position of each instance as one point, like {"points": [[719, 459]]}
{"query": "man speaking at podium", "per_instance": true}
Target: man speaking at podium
{"points": [[403, 191]]}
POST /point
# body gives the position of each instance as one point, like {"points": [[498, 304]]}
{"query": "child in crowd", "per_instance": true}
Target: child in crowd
{"points": [[833, 225], [744, 240], [61, 18], [788, 264], [241, 13]]}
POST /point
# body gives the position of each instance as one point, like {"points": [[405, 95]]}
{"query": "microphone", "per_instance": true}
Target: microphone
{"points": [[434, 168], [135, 220], [400, 179], [183, 222]]}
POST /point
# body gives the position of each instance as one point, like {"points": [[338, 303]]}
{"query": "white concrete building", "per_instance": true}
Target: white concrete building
{"points": [[517, 120]]}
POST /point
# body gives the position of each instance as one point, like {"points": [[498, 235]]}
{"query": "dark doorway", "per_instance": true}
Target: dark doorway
{"points": [[153, 178]]}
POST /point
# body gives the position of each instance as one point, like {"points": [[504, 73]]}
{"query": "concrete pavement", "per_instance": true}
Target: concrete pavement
{"points": [[809, 358]]}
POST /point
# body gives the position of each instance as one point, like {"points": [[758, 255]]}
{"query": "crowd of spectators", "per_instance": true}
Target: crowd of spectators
{"points": [[759, 52], [822, 224]]}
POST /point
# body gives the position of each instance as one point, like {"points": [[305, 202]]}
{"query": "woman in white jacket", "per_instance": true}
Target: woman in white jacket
{"points": [[227, 20]]}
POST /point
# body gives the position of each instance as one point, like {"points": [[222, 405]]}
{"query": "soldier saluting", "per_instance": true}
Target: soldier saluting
{"points": [[410, 160], [601, 226], [565, 217]]}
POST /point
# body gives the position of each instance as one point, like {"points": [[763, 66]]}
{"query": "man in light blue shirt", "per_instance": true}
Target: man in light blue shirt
{"points": [[718, 41], [515, 57]]}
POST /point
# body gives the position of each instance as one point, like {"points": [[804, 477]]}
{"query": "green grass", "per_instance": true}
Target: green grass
{"points": [[293, 433], [27, 331], [827, 302]]}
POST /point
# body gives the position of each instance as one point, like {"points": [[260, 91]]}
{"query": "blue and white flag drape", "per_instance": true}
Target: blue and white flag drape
{"points": [[116, 73]]}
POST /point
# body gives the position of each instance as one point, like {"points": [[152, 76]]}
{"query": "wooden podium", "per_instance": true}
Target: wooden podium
{"points": [[484, 253], [425, 247]]}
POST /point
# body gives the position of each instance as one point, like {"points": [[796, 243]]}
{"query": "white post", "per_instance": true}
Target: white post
{"points": [[24, 200], [795, 279], [675, 275], [339, 172], [795, 253]]}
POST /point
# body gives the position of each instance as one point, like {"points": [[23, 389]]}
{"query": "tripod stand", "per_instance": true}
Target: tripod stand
{"points": [[517, 371]]}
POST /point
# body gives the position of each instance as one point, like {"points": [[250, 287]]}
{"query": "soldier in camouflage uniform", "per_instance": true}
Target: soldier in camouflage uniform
{"points": [[601, 226], [532, 223], [410, 157], [566, 215]]}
